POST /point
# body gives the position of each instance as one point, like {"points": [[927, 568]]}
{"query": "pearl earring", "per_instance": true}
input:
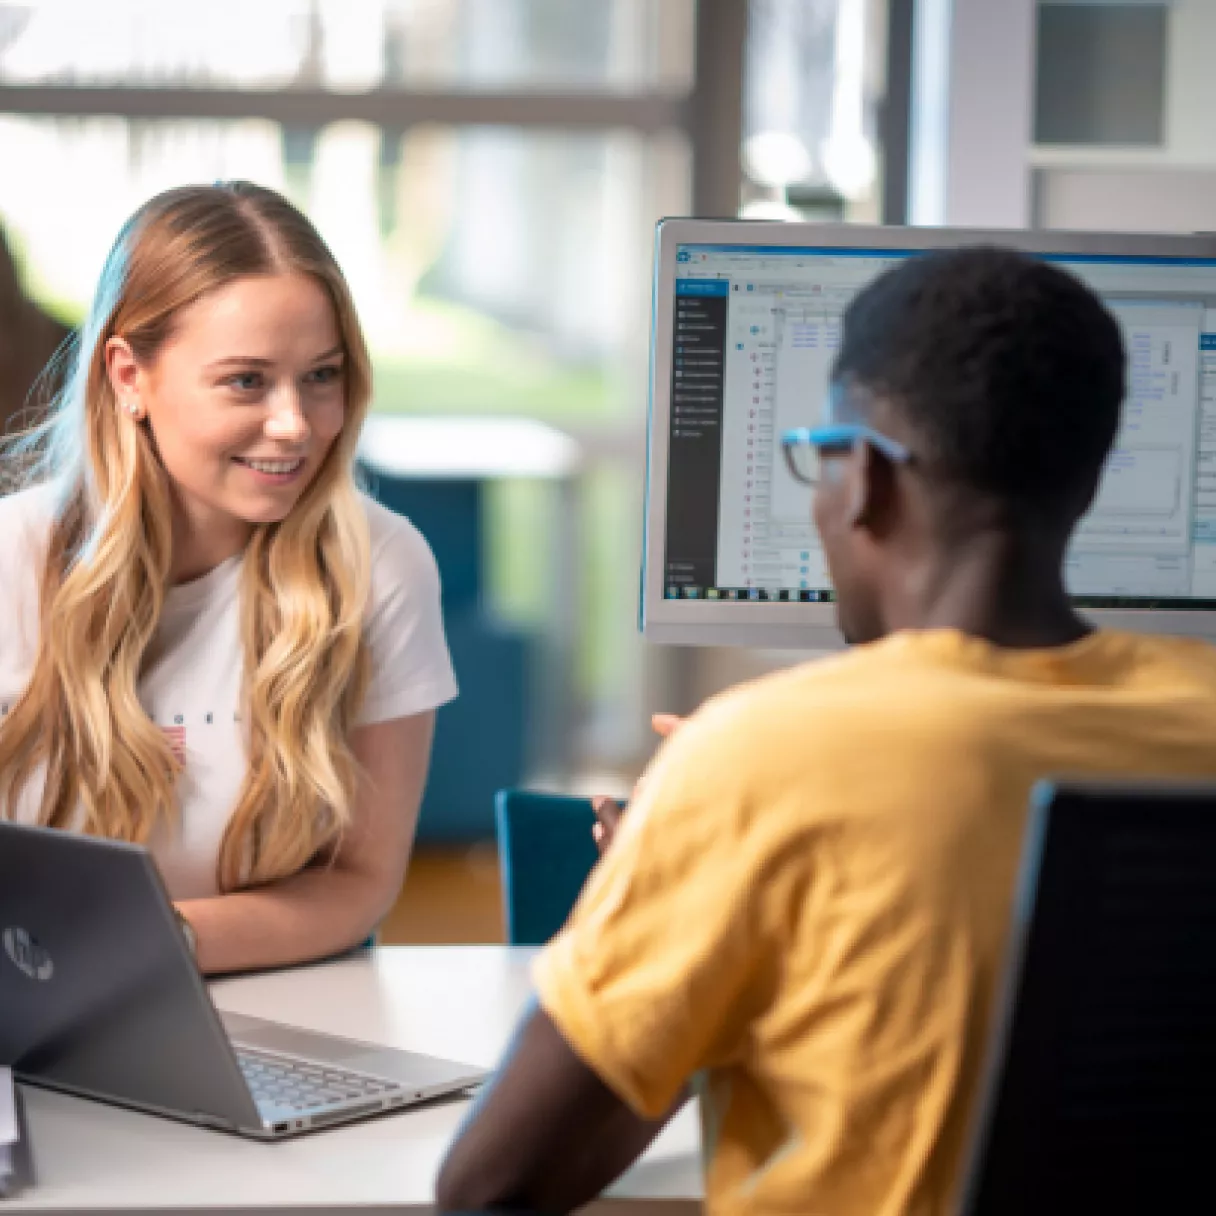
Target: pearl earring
{"points": [[133, 408]]}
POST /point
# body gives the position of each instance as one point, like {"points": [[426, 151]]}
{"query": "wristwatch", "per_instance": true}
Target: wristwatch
{"points": [[187, 932]]}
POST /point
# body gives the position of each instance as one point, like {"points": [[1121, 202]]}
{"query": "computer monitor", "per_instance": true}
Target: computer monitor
{"points": [[746, 323]]}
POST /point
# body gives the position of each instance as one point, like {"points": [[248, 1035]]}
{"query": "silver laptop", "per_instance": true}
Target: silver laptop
{"points": [[99, 996]]}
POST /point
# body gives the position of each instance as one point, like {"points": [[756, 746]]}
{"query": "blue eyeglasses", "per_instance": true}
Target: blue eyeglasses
{"points": [[804, 446]]}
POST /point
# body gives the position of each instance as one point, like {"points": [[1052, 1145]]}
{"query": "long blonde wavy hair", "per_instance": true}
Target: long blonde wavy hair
{"points": [[305, 582]]}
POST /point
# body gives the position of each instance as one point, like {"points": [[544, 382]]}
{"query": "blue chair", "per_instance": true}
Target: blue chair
{"points": [[545, 852]]}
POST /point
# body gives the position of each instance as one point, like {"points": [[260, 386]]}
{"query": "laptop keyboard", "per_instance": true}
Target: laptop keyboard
{"points": [[297, 1086]]}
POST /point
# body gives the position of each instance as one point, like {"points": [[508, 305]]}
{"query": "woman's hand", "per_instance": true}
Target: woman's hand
{"points": [[607, 810]]}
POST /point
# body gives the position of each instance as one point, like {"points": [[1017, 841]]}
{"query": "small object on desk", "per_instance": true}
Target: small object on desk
{"points": [[10, 1134], [187, 932]]}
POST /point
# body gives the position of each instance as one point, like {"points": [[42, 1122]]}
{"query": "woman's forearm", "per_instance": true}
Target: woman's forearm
{"points": [[328, 908], [315, 913]]}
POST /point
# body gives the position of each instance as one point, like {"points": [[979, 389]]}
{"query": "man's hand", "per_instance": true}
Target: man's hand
{"points": [[607, 810], [608, 814]]}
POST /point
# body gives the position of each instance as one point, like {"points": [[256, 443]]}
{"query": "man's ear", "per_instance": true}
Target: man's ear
{"points": [[871, 491]]}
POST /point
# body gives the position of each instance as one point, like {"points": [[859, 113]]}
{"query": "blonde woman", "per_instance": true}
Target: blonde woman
{"points": [[212, 643]]}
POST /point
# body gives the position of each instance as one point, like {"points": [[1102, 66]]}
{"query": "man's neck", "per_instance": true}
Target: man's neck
{"points": [[993, 586]]}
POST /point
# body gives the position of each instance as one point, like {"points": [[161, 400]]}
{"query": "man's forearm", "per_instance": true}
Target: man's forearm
{"points": [[310, 915], [625, 1139], [546, 1135]]}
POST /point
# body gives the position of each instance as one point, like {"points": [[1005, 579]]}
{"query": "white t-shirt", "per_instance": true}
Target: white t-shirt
{"points": [[193, 670]]}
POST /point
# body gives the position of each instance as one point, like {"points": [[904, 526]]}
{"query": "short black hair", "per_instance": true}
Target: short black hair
{"points": [[1009, 372]]}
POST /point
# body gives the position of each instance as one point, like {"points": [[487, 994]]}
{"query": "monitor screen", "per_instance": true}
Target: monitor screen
{"points": [[754, 330]]}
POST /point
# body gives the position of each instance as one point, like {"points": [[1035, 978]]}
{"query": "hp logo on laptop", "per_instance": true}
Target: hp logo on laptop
{"points": [[28, 955]]}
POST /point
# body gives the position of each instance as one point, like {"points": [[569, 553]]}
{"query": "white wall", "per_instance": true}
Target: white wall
{"points": [[1148, 199], [1166, 189], [1190, 116]]}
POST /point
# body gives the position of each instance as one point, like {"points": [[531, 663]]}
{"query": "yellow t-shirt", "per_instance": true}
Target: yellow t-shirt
{"points": [[810, 896]]}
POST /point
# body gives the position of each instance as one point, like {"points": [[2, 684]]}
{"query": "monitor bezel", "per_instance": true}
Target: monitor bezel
{"points": [[781, 625]]}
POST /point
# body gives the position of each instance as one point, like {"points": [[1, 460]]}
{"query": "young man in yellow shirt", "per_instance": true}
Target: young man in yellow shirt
{"points": [[807, 903]]}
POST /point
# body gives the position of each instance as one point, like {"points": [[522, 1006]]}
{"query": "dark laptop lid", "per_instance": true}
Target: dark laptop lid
{"points": [[98, 992]]}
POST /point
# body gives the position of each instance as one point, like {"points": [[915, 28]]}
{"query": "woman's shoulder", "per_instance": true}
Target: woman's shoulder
{"points": [[35, 502], [26, 517], [25, 525], [412, 670], [398, 548]]}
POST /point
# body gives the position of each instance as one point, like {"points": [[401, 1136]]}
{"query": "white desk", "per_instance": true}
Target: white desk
{"points": [[455, 1001]]}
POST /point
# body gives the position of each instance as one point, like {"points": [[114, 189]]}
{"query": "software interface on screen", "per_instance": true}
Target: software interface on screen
{"points": [[754, 334]]}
